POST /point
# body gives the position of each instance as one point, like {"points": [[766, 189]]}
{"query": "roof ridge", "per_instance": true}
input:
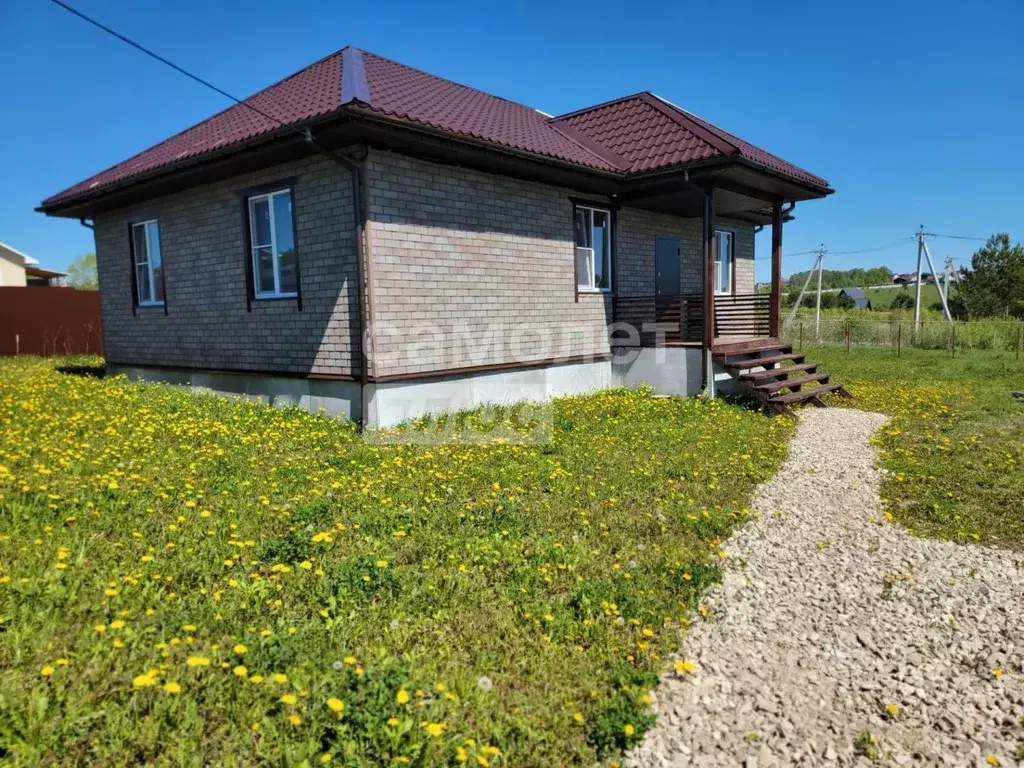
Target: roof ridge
{"points": [[593, 147], [690, 122], [354, 86], [204, 121]]}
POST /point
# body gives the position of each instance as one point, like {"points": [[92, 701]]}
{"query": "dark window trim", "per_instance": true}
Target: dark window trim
{"points": [[613, 210], [163, 265], [250, 279]]}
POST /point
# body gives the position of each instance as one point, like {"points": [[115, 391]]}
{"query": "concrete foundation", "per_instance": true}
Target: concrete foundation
{"points": [[392, 403], [339, 399], [670, 370]]}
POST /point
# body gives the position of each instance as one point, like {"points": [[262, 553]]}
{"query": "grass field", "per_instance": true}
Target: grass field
{"points": [[954, 450], [190, 580], [881, 298]]}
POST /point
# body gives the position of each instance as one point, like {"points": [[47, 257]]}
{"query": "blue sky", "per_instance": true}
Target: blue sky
{"points": [[912, 110]]}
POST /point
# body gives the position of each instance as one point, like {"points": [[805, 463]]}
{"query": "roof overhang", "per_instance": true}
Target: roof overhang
{"points": [[744, 190]]}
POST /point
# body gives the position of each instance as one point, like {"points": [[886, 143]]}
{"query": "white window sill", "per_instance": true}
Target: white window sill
{"points": [[150, 305], [582, 289], [263, 296]]}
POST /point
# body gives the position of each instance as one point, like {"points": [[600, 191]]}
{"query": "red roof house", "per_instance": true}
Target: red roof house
{"points": [[311, 232]]}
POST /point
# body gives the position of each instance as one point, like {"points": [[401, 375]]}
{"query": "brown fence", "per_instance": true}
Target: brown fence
{"points": [[50, 321]]}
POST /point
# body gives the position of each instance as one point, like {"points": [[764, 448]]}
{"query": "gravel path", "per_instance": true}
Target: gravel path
{"points": [[828, 615]]}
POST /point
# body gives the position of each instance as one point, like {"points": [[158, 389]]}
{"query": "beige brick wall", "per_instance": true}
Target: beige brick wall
{"points": [[204, 252], [474, 269], [470, 269], [638, 231]]}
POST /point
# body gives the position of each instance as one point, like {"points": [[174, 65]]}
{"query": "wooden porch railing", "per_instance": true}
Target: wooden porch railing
{"points": [[680, 317], [743, 315]]}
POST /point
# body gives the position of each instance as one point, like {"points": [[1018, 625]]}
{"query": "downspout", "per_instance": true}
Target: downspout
{"points": [[360, 213]]}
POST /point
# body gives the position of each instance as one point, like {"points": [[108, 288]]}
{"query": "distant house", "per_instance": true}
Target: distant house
{"points": [[19, 270], [903, 278], [859, 299]]}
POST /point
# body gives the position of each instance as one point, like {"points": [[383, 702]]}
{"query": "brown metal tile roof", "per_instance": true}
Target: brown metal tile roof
{"points": [[311, 92], [632, 135], [651, 134]]}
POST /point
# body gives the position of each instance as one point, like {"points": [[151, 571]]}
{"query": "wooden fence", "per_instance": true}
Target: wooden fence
{"points": [[49, 321]]}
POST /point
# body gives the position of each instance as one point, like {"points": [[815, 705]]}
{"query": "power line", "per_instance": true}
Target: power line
{"points": [[960, 237], [175, 67]]}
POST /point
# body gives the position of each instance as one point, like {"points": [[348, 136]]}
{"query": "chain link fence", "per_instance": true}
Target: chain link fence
{"points": [[1005, 336]]}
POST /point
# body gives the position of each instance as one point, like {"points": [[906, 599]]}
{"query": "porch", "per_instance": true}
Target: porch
{"points": [[678, 319]]}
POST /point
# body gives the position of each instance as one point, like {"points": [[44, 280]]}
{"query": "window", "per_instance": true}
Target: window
{"points": [[593, 248], [723, 261], [148, 264], [275, 269]]}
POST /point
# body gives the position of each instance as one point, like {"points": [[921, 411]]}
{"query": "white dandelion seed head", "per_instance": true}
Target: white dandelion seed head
{"points": [[310, 528], [632, 563], [394, 624], [484, 683], [337, 665], [620, 621]]}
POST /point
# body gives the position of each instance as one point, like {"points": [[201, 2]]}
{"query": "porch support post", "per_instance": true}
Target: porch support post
{"points": [[709, 291], [775, 308]]}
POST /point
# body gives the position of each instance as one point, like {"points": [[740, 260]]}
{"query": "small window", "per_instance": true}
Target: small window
{"points": [[275, 271], [723, 261], [148, 264], [593, 228]]}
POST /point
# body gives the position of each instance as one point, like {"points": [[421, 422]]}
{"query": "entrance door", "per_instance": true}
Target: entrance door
{"points": [[666, 266]]}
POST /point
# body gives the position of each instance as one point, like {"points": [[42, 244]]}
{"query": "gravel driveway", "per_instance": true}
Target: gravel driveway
{"points": [[829, 615]]}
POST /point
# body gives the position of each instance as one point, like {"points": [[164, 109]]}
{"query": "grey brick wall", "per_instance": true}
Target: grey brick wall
{"points": [[474, 269], [203, 244]]}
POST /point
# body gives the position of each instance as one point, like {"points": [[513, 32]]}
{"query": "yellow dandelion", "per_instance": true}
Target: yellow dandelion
{"points": [[279, 678], [46, 671], [294, 719], [197, 661], [628, 729], [240, 671], [240, 649], [172, 687], [402, 697], [288, 698], [335, 705], [685, 667]]}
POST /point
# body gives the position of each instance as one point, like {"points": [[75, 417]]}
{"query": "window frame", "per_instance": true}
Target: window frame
{"points": [[150, 279], [268, 194], [609, 213], [731, 269]]}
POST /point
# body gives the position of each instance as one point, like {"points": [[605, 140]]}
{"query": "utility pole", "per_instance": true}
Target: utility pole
{"points": [[799, 299], [817, 306], [917, 296], [922, 249]]}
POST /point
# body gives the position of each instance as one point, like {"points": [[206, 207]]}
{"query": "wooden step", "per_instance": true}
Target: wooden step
{"points": [[775, 386], [726, 348], [774, 373], [754, 362], [804, 394]]}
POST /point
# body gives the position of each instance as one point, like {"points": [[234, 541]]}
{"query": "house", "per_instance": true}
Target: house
{"points": [[18, 269], [860, 301], [370, 239]]}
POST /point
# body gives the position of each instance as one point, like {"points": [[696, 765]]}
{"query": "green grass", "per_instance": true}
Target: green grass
{"points": [[954, 449], [881, 298], [188, 580]]}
